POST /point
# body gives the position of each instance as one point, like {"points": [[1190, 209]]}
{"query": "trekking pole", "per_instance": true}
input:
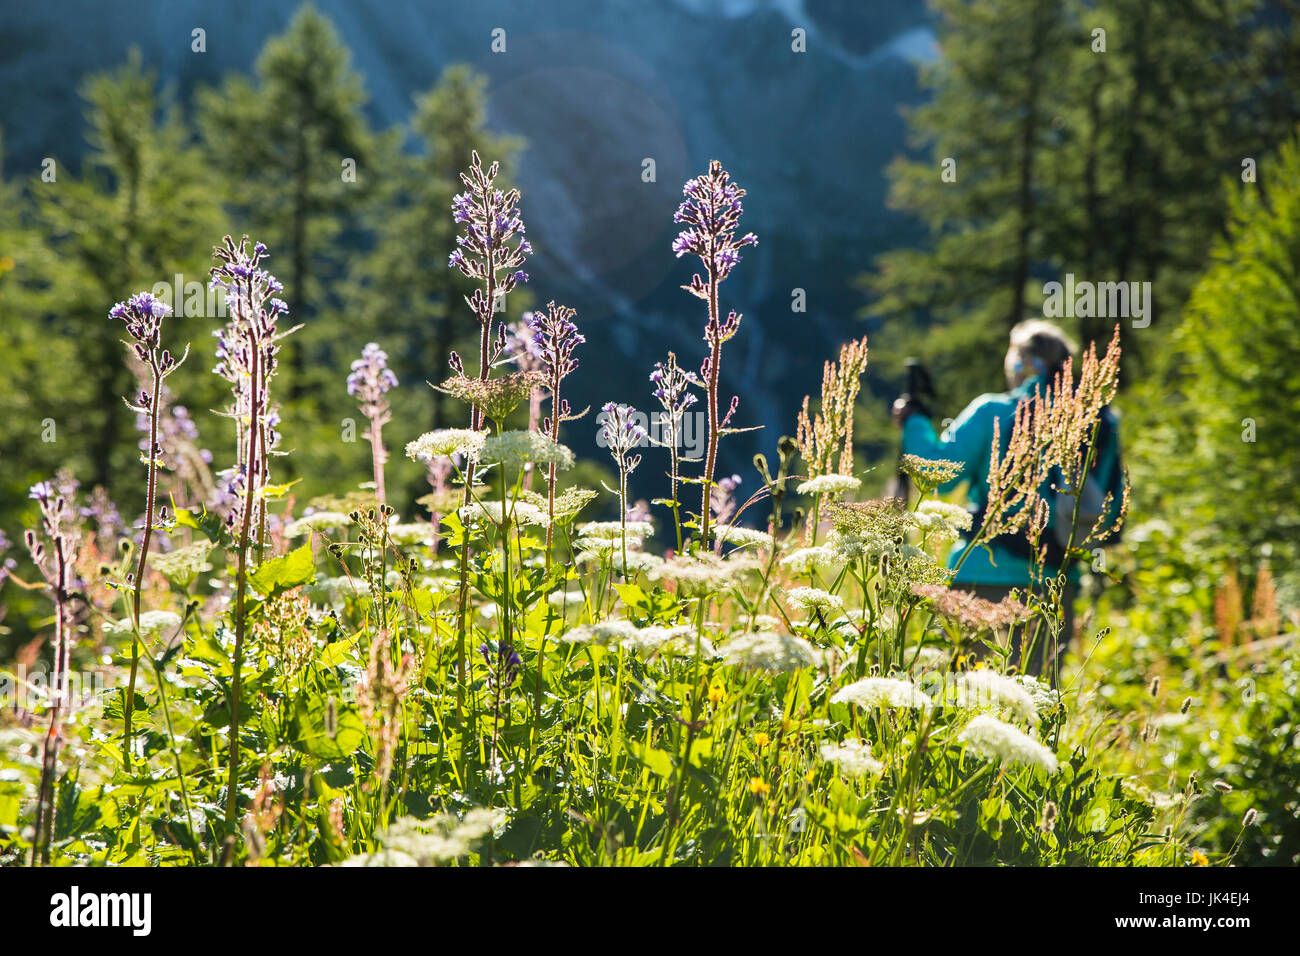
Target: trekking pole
{"points": [[919, 386]]}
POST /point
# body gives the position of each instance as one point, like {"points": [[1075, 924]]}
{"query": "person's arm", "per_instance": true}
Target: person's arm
{"points": [[966, 441]]}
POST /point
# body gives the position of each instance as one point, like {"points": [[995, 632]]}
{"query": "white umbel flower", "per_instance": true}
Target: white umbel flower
{"points": [[522, 513], [998, 740], [420, 532], [320, 521], [445, 442], [679, 640], [771, 651], [804, 560], [956, 516], [852, 547], [609, 633], [514, 449], [882, 692], [411, 842], [989, 690], [853, 757], [1046, 698], [829, 485], [733, 534], [815, 599], [611, 530], [151, 623]]}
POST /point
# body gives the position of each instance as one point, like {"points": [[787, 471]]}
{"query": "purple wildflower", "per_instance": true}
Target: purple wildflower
{"points": [[503, 661], [554, 340], [621, 433], [491, 220], [370, 379], [711, 213], [248, 350]]}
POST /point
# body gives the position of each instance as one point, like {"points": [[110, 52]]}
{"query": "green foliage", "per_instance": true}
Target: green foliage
{"points": [[1229, 391]]}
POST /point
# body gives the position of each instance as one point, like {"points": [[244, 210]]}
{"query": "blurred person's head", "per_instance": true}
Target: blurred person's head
{"points": [[1038, 347]]}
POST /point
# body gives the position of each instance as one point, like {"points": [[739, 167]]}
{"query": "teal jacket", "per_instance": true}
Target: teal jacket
{"points": [[967, 441]]}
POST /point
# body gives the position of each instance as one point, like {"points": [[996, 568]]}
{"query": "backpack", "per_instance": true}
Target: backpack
{"points": [[1103, 492]]}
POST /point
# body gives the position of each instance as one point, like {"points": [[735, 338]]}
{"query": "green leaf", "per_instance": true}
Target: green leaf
{"points": [[659, 761], [115, 703], [283, 574], [279, 491], [212, 526], [326, 728]]}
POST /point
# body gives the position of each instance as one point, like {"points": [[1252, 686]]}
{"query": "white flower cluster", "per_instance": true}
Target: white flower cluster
{"points": [[954, 514], [678, 639], [853, 757], [771, 651], [603, 633], [1046, 698], [514, 449], [411, 842], [320, 521], [521, 513], [183, 565], [152, 623], [997, 740], [883, 692], [941, 519], [829, 485], [446, 442], [805, 560], [853, 547], [815, 599], [703, 574], [988, 690], [611, 530], [734, 534], [420, 532]]}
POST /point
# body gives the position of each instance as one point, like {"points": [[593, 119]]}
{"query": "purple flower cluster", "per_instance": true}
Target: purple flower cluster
{"points": [[520, 346], [555, 339], [143, 314], [722, 499], [504, 662], [491, 220], [621, 433], [7, 564], [61, 530], [370, 379], [254, 308], [177, 433], [711, 212], [672, 388], [247, 357]]}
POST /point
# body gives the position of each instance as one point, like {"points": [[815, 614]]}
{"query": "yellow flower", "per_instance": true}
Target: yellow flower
{"points": [[979, 666], [808, 777], [1199, 858], [758, 786], [788, 725], [761, 739], [716, 694]]}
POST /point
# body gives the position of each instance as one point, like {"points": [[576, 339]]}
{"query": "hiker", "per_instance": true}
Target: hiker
{"points": [[1038, 350]]}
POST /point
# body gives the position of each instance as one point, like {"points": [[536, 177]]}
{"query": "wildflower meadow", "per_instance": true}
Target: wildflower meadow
{"points": [[649, 630]]}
